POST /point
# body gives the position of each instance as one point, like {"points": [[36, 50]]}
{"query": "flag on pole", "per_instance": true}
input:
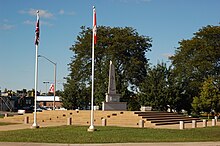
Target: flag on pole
{"points": [[51, 90], [94, 26], [37, 30]]}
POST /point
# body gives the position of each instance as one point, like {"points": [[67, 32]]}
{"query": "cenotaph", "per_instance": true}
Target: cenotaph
{"points": [[112, 99]]}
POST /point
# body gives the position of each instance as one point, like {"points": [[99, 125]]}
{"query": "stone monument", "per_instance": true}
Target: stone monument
{"points": [[112, 99]]}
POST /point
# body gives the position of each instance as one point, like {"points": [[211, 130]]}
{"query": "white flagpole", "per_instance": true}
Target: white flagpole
{"points": [[92, 128], [35, 125]]}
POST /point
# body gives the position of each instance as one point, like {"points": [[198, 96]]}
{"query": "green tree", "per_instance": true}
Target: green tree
{"points": [[174, 91], [209, 99], [154, 88], [196, 104], [197, 59], [127, 50], [161, 89]]}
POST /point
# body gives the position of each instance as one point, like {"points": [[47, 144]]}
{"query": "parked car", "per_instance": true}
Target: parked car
{"points": [[39, 109], [21, 111]]}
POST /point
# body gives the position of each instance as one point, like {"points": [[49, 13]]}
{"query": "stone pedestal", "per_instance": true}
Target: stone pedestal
{"points": [[112, 99], [194, 124], [6, 115], [114, 106], [213, 122], [182, 125], [204, 122], [216, 119], [141, 123], [104, 122]]}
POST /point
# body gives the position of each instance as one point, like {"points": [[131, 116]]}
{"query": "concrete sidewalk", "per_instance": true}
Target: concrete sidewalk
{"points": [[116, 144], [27, 126]]}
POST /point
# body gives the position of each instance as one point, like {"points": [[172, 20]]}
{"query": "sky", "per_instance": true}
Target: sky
{"points": [[166, 21]]}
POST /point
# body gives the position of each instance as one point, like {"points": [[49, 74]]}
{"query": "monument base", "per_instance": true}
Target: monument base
{"points": [[112, 97], [114, 106]]}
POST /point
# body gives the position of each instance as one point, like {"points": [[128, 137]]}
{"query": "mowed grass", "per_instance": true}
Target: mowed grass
{"points": [[79, 134]]}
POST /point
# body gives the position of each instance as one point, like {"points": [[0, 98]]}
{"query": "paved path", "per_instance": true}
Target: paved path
{"points": [[116, 144], [27, 126]]}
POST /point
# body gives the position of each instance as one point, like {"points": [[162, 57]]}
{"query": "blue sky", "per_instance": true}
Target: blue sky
{"points": [[166, 21]]}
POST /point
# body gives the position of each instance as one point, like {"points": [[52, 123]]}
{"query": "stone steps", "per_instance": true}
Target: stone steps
{"points": [[174, 120], [165, 118]]}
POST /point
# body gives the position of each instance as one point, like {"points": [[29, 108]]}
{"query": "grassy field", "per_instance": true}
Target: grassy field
{"points": [[79, 134]]}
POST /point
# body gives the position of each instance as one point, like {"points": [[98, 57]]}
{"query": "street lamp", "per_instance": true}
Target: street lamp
{"points": [[55, 68]]}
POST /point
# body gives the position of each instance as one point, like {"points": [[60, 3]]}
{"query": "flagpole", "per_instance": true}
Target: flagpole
{"points": [[55, 82], [92, 128], [35, 125]]}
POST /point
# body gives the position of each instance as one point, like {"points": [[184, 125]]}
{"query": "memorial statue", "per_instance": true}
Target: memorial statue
{"points": [[112, 99]]}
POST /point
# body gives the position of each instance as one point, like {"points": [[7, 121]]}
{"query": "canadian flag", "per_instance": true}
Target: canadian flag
{"points": [[94, 26], [51, 90]]}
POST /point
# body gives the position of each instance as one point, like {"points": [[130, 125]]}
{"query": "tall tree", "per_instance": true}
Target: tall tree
{"points": [[174, 92], [161, 89], [197, 59], [127, 50], [153, 89]]}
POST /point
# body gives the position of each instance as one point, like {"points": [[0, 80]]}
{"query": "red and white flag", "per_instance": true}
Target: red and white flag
{"points": [[94, 26], [37, 30], [51, 90]]}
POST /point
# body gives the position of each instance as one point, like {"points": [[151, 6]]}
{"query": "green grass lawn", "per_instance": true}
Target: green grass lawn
{"points": [[79, 134]]}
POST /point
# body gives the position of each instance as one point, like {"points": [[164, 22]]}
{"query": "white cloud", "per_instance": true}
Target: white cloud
{"points": [[29, 22], [42, 13], [71, 13], [5, 20], [61, 12], [6, 27], [46, 23]]}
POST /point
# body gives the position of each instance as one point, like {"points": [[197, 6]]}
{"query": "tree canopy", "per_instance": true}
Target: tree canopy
{"points": [[161, 90], [197, 59], [123, 46], [192, 79]]}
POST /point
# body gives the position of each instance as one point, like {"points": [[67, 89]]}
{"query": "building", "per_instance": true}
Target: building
{"points": [[48, 101], [13, 103]]}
